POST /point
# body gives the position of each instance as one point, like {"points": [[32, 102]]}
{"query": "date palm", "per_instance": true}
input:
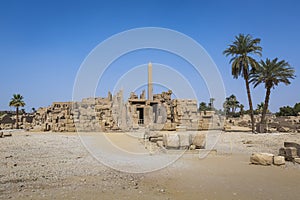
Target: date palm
{"points": [[17, 101], [241, 62], [271, 73], [259, 107]]}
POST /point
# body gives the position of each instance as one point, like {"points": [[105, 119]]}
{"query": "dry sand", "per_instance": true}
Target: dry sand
{"points": [[58, 166]]}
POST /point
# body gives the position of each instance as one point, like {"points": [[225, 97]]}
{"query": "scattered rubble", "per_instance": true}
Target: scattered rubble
{"points": [[290, 152]]}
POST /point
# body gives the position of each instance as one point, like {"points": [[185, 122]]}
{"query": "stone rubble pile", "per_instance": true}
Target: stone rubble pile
{"points": [[290, 152]]}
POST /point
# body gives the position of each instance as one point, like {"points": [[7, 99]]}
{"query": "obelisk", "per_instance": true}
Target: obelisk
{"points": [[150, 88]]}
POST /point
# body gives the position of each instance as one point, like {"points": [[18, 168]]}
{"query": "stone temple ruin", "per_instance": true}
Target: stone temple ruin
{"points": [[112, 113]]}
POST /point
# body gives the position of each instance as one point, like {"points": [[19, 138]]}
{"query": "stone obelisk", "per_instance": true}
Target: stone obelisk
{"points": [[150, 87]]}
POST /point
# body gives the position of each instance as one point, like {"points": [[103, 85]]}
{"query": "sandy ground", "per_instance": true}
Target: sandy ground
{"points": [[58, 166]]}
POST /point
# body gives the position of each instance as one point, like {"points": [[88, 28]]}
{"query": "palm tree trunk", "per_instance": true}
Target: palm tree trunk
{"points": [[266, 105], [17, 119], [249, 100]]}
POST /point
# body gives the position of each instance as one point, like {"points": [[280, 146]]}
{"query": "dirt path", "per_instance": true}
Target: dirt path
{"points": [[57, 166]]}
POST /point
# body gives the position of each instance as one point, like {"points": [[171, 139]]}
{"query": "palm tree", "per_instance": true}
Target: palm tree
{"points": [[271, 73], [17, 101], [203, 106], [231, 104], [234, 103], [240, 51], [260, 107]]}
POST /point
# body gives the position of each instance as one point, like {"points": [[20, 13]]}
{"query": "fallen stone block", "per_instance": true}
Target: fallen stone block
{"points": [[184, 139], [261, 128], [297, 160], [7, 134], [283, 129], [199, 140], [288, 152], [171, 140], [293, 144], [279, 160], [262, 159]]}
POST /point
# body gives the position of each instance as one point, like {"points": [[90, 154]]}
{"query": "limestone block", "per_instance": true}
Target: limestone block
{"points": [[288, 152], [283, 129], [297, 160], [199, 140], [159, 120], [181, 128], [293, 144], [171, 140], [279, 160], [262, 159], [184, 139], [159, 144]]}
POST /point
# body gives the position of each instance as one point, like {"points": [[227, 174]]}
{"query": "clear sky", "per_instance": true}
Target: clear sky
{"points": [[43, 43]]}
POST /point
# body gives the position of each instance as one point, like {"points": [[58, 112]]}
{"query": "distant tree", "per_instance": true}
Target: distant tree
{"points": [[33, 110], [231, 104], [203, 107], [271, 73], [259, 108], [286, 111], [17, 101], [297, 108], [240, 50]]}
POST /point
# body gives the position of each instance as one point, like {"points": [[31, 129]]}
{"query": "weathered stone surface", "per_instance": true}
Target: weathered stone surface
{"points": [[181, 128], [283, 129], [192, 147], [1, 134], [297, 160], [279, 160], [262, 159], [159, 143], [293, 144], [288, 152], [261, 128], [227, 128], [7, 134], [184, 139], [171, 140], [199, 140]]}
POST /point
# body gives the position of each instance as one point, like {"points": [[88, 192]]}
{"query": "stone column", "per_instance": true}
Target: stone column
{"points": [[150, 88]]}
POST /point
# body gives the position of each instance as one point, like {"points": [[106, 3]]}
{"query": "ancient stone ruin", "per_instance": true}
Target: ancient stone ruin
{"points": [[112, 114]]}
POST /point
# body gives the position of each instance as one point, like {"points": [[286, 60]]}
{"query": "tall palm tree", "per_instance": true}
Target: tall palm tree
{"points": [[17, 101], [240, 50], [271, 73]]}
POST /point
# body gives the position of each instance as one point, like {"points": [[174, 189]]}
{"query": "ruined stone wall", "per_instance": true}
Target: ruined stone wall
{"points": [[186, 113]]}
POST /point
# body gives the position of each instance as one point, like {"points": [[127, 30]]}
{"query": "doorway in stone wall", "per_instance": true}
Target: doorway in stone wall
{"points": [[141, 115]]}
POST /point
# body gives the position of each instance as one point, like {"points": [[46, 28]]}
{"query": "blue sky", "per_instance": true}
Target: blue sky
{"points": [[43, 43]]}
